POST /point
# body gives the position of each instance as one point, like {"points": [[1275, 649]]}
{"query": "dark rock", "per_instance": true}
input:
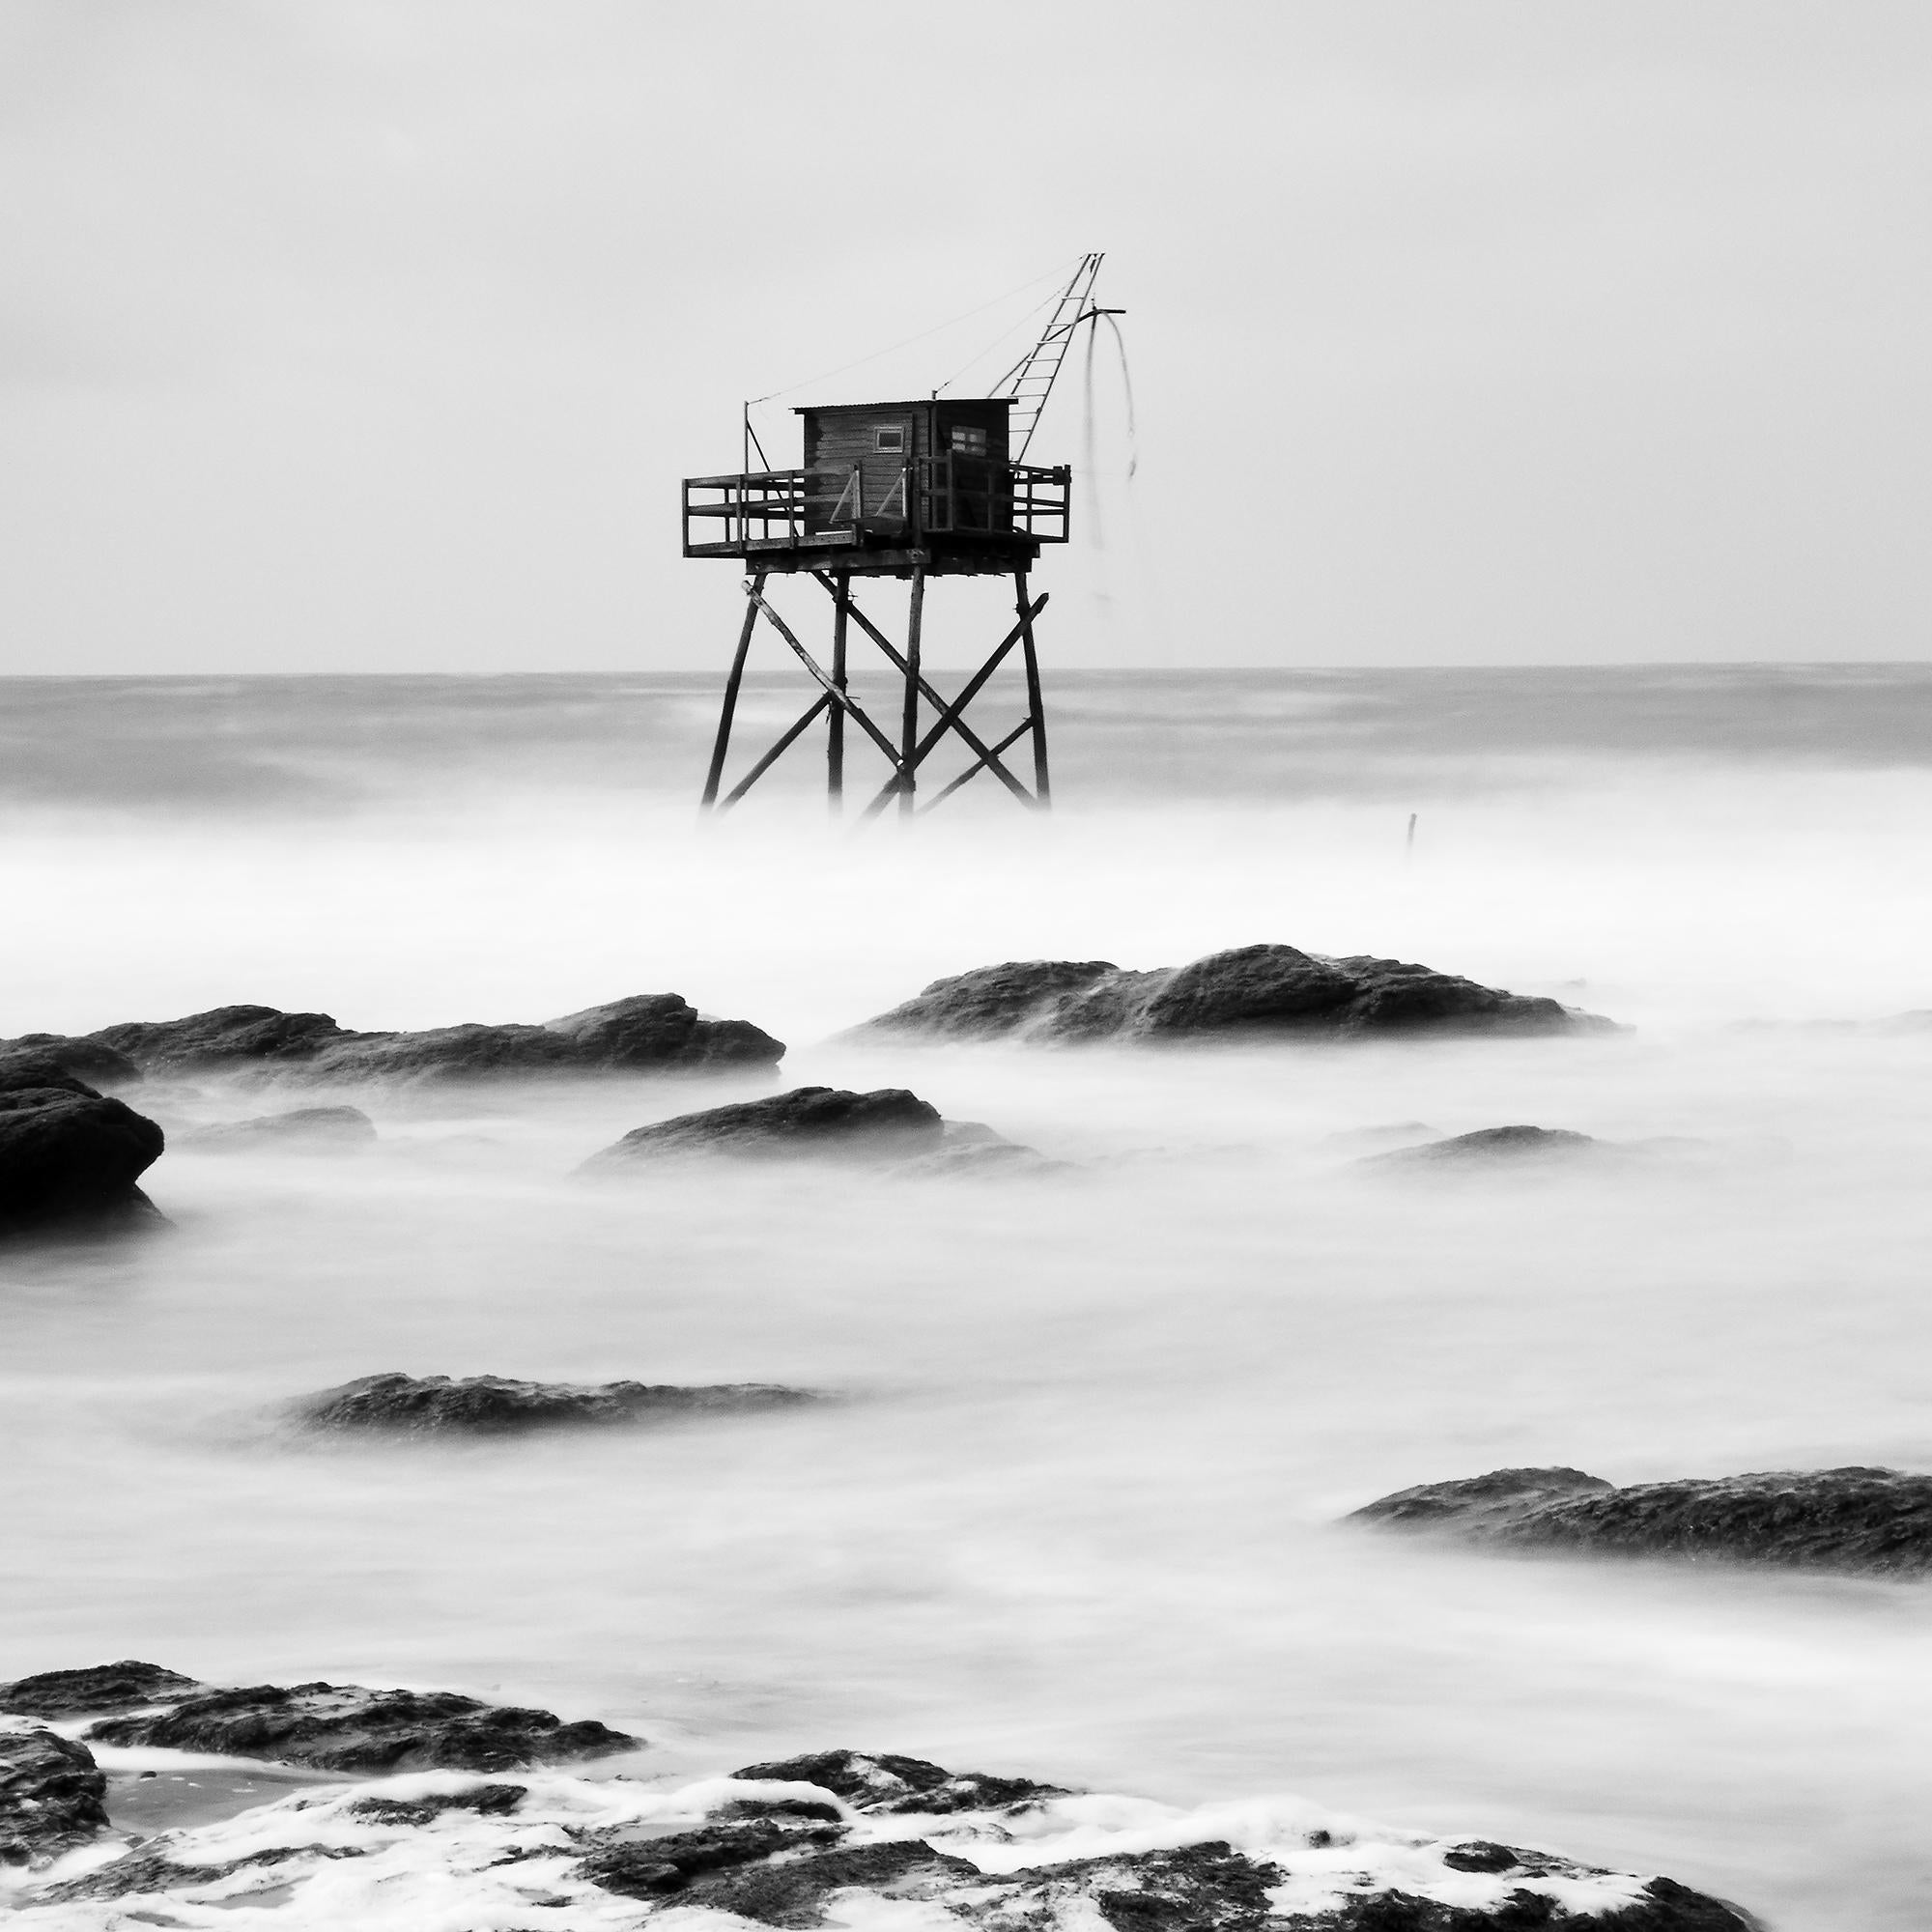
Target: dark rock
{"points": [[70, 1160], [1876, 1521], [647, 1032], [824, 1121], [30, 1073], [650, 1867], [820, 1811], [346, 1727], [489, 1801], [149, 1869], [100, 1687], [659, 1031], [1252, 991], [982, 1160], [307, 1129], [794, 1892], [1499, 1147], [89, 1060], [223, 1037], [888, 1783], [52, 1796], [496, 1406]]}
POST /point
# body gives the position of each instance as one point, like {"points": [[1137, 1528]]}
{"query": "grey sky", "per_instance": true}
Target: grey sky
{"points": [[369, 334]]}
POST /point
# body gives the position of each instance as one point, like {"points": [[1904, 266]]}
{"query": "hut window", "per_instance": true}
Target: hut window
{"points": [[967, 440], [892, 440]]}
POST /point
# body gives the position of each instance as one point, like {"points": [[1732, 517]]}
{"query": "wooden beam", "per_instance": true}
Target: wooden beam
{"points": [[909, 718], [834, 738], [979, 765], [1043, 784], [771, 757], [753, 588], [840, 697]]}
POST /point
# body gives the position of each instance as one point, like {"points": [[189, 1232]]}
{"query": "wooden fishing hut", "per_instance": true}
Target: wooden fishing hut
{"points": [[917, 491]]}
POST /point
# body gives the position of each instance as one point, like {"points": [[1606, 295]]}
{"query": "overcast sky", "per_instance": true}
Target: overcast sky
{"points": [[357, 336]]}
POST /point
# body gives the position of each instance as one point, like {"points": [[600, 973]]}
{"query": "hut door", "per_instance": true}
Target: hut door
{"points": [[891, 466]]}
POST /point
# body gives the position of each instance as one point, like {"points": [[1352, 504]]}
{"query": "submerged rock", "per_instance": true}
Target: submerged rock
{"points": [[94, 1688], [644, 1033], [1250, 992], [348, 1727], [304, 1130], [1515, 1146], [495, 1406], [809, 1122], [69, 1159], [1877, 1521], [52, 1796]]}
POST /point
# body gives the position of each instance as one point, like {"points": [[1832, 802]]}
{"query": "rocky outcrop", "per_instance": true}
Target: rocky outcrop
{"points": [[649, 1032], [495, 1406], [346, 1727], [69, 1157], [1517, 1146], [1251, 992], [93, 1060], [1875, 1521], [96, 1688], [52, 1796], [809, 1123], [846, 1837], [303, 1130]]}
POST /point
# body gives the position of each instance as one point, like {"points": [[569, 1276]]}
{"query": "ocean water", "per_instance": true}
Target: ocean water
{"points": [[1074, 1514]]}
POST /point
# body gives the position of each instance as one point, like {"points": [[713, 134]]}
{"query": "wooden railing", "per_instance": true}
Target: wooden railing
{"points": [[896, 503]]}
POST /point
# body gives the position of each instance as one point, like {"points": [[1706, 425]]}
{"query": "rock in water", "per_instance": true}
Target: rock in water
{"points": [[346, 1727], [850, 1837], [70, 1159], [98, 1687], [303, 1130], [1517, 1146], [646, 1033], [823, 1123], [89, 1060], [1876, 1521], [660, 1031], [495, 1406], [52, 1796], [1253, 991]]}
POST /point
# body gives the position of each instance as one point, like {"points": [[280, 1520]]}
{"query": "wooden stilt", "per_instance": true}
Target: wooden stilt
{"points": [[909, 730], [835, 739], [1042, 785], [754, 585]]}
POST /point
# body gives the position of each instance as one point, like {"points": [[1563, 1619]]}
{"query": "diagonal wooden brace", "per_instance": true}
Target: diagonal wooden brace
{"points": [[836, 697], [973, 770], [771, 757]]}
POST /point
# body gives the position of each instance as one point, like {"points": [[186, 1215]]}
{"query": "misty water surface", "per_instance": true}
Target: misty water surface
{"points": [[1073, 1514]]}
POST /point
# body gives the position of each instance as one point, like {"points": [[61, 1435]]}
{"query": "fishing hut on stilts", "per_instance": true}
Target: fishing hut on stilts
{"points": [[914, 491]]}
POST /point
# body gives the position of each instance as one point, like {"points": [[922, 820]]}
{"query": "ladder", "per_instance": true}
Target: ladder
{"points": [[1030, 381]]}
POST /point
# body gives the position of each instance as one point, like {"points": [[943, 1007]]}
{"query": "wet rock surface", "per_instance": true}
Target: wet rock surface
{"points": [[89, 1060], [71, 1157], [347, 1727], [1874, 1522], [643, 1032], [302, 1129], [498, 1405], [96, 1688], [1249, 992], [832, 1836], [52, 1796], [823, 1123]]}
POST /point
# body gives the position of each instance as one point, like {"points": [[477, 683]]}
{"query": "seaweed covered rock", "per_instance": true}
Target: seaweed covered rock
{"points": [[301, 1131], [644, 1033], [821, 1123], [96, 1688], [498, 1405], [1877, 1521], [347, 1727], [70, 1159], [52, 1796], [1249, 992]]}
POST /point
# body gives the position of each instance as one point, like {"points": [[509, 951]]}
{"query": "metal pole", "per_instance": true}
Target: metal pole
{"points": [[754, 585], [909, 731], [834, 742], [1041, 784]]}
